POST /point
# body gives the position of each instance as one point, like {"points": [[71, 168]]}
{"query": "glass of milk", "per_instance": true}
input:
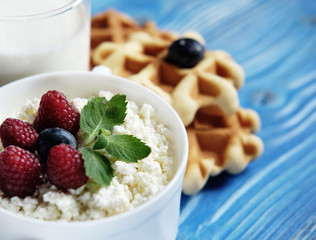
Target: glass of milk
{"points": [[39, 36]]}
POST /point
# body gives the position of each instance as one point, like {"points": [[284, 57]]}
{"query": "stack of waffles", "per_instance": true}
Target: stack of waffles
{"points": [[221, 133]]}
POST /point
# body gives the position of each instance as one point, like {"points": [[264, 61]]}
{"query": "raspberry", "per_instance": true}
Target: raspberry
{"points": [[19, 133], [20, 172], [56, 111], [65, 167]]}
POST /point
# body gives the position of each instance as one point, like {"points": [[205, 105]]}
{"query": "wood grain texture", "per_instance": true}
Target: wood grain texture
{"points": [[275, 43]]}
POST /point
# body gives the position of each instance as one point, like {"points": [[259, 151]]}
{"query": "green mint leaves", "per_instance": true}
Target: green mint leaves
{"points": [[97, 120]]}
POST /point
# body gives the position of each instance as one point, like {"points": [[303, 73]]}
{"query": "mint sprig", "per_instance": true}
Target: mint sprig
{"points": [[97, 120]]}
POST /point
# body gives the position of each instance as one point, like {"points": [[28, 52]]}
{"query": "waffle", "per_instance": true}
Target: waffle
{"points": [[205, 97], [210, 84], [219, 144]]}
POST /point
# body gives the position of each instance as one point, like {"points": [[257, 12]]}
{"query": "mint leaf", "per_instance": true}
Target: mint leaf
{"points": [[102, 114], [116, 110], [97, 166], [125, 147]]}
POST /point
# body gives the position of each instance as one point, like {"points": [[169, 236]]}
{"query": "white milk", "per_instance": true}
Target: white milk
{"points": [[44, 43]]}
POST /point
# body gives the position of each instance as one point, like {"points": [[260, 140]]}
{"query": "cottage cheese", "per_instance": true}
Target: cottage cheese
{"points": [[132, 185]]}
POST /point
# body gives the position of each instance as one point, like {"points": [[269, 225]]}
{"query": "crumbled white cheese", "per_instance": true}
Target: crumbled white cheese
{"points": [[29, 110], [132, 185]]}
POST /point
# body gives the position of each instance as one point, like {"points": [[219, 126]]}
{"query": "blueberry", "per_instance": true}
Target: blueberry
{"points": [[185, 53], [53, 136]]}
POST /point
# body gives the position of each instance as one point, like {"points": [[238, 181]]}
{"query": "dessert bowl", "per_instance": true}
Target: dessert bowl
{"points": [[155, 219]]}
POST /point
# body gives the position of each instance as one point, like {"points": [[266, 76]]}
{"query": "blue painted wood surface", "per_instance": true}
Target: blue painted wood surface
{"points": [[275, 43]]}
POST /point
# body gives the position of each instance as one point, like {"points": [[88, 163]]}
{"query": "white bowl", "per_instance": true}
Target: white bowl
{"points": [[155, 219]]}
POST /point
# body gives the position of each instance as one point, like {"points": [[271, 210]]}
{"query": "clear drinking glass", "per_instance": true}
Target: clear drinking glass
{"points": [[39, 36]]}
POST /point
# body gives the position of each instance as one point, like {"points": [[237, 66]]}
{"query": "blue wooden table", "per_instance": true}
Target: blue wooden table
{"points": [[275, 43]]}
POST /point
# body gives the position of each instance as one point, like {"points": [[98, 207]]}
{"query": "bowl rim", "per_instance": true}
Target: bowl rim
{"points": [[129, 213], [44, 14]]}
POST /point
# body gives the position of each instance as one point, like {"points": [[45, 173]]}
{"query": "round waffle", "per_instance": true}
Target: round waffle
{"points": [[210, 84], [220, 143]]}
